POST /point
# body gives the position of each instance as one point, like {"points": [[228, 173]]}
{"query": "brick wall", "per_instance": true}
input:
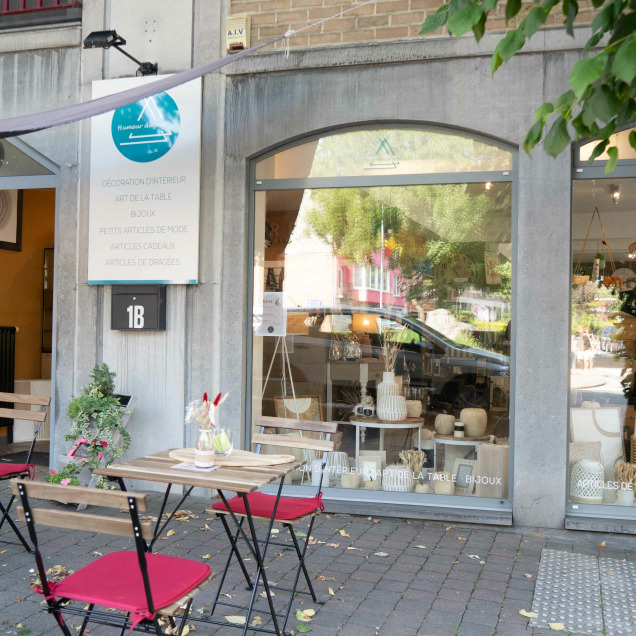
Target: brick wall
{"points": [[381, 20]]}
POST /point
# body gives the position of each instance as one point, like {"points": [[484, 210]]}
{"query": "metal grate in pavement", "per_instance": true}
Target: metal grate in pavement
{"points": [[618, 583], [568, 591]]}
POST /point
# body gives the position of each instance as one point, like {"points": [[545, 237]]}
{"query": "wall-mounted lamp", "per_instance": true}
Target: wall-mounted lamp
{"points": [[106, 39], [488, 186], [615, 193]]}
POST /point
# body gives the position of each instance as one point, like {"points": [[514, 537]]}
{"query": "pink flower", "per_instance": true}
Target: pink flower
{"points": [[65, 482], [52, 472]]}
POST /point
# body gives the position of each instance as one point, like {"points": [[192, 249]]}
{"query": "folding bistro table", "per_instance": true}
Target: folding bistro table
{"points": [[242, 481]]}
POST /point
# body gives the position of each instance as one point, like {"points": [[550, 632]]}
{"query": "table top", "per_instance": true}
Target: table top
{"points": [[451, 439], [409, 422], [158, 467]]}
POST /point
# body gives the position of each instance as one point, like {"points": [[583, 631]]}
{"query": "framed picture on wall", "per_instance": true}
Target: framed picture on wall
{"points": [[11, 220]]}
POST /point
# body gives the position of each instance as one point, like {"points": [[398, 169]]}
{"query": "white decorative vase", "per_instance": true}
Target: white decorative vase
{"points": [[475, 421], [586, 482], [413, 408], [392, 408], [443, 484], [388, 386], [397, 478], [445, 424], [337, 465], [350, 480]]}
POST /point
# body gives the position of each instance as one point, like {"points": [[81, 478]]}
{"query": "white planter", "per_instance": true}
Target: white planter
{"points": [[445, 424], [397, 478], [392, 408], [413, 408], [350, 480], [475, 421], [388, 386], [586, 482], [624, 497]]}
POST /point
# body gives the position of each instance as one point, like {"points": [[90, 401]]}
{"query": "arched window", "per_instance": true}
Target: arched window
{"points": [[388, 250]]}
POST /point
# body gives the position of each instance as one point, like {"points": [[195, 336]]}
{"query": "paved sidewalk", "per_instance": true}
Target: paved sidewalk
{"points": [[388, 576]]}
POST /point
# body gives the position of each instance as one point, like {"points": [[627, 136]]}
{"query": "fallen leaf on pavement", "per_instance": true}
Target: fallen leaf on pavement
{"points": [[324, 578], [344, 533], [461, 538], [225, 594], [380, 554], [236, 620], [170, 533], [352, 548], [205, 557], [376, 521], [608, 573], [449, 528], [422, 547], [527, 575], [528, 614], [601, 545], [302, 629], [206, 527], [300, 533], [539, 536], [557, 627], [331, 592], [305, 615], [264, 594], [256, 622], [333, 545], [275, 530]]}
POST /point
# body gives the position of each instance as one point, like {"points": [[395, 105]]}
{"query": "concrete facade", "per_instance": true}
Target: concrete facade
{"points": [[256, 105]]}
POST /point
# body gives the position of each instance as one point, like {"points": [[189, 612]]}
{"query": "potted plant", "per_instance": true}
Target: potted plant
{"points": [[98, 428]]}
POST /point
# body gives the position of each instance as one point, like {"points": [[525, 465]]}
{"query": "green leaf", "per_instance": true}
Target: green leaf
{"points": [[599, 149], [571, 9], [605, 104], [463, 20], [587, 71], [627, 112], [543, 111], [612, 151], [597, 3], [581, 127], [480, 28], [533, 21], [624, 26], [488, 5], [533, 136], [303, 629], [624, 64], [593, 41], [565, 101], [558, 138], [435, 21], [604, 19], [632, 139], [512, 8], [588, 115], [507, 47]]}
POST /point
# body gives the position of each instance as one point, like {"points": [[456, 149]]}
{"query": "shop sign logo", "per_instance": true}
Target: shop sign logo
{"points": [[146, 130], [384, 158]]}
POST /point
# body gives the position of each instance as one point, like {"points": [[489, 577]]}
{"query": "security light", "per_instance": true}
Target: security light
{"points": [[106, 39], [615, 193]]}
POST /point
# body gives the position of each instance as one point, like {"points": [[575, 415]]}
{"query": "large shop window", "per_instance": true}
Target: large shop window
{"points": [[602, 453], [384, 304]]}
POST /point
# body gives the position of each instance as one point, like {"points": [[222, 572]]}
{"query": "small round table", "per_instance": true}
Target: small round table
{"points": [[451, 440], [361, 423]]}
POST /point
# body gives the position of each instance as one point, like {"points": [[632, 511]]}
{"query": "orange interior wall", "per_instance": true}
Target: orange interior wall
{"points": [[21, 277]]}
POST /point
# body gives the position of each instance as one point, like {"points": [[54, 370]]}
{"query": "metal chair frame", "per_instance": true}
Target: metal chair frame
{"points": [[299, 546], [5, 510]]}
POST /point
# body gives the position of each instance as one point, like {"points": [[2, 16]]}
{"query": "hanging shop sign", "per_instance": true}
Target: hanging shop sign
{"points": [[144, 187]]}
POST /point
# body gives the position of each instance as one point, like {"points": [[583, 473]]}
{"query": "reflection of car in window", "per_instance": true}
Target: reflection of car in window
{"points": [[456, 375]]}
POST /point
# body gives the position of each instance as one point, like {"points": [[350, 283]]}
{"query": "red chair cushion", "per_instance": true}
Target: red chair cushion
{"points": [[17, 469], [114, 580], [261, 505]]}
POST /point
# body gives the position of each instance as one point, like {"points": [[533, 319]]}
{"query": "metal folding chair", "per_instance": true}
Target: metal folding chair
{"points": [[11, 470], [141, 586], [288, 511]]}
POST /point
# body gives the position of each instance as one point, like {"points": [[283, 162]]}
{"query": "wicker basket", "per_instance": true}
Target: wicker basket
{"points": [[578, 279], [632, 450]]}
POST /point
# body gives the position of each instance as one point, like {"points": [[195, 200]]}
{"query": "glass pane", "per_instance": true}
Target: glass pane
{"points": [[602, 344], [620, 140], [365, 298], [15, 163], [384, 152]]}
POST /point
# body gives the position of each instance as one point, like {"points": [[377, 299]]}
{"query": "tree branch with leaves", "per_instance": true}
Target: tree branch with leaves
{"points": [[601, 98]]}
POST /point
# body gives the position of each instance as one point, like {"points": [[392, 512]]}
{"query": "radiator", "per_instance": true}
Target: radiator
{"points": [[7, 371]]}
